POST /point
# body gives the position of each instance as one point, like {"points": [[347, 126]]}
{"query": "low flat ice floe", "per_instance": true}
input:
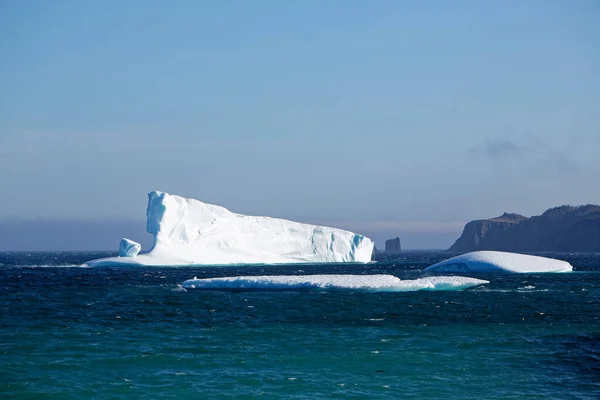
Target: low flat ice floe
{"points": [[498, 261], [371, 283]]}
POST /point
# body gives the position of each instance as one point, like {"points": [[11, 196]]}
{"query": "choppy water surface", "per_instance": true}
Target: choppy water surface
{"points": [[108, 333]]}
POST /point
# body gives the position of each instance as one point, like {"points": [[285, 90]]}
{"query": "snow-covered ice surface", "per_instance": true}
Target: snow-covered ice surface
{"points": [[129, 248], [373, 283], [498, 261], [188, 231]]}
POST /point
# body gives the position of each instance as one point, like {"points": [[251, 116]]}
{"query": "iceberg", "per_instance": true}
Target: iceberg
{"points": [[370, 283], [129, 248], [188, 231], [498, 261]]}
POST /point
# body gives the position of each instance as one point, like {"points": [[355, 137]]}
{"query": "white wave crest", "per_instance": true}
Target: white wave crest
{"points": [[372, 283], [46, 266]]}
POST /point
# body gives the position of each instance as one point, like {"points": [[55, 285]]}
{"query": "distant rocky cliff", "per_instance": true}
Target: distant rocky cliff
{"points": [[563, 228]]}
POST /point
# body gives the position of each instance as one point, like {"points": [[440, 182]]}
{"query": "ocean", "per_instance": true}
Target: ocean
{"points": [[68, 332]]}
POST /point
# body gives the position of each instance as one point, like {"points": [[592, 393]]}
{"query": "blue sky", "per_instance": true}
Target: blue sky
{"points": [[408, 117]]}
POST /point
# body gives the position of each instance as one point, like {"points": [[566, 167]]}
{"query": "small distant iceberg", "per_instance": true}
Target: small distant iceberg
{"points": [[190, 232], [368, 283], [498, 261]]}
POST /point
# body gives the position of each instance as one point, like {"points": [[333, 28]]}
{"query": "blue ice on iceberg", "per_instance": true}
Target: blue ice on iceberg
{"points": [[129, 248]]}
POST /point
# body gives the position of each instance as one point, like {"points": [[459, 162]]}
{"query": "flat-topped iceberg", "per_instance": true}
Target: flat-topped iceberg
{"points": [[188, 231], [371, 283], [498, 261]]}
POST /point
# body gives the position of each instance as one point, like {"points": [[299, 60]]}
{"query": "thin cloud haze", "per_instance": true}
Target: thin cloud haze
{"points": [[340, 111], [497, 148]]}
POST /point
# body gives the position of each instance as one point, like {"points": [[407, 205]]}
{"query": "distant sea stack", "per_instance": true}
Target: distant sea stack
{"points": [[392, 246], [564, 228]]}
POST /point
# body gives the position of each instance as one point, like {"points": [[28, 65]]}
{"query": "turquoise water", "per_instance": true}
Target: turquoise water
{"points": [[111, 333]]}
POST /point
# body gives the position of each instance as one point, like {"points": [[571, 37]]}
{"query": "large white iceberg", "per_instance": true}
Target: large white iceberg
{"points": [[498, 261], [371, 283], [188, 231]]}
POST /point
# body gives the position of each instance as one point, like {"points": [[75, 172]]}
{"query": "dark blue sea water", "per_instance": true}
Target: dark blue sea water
{"points": [[111, 333]]}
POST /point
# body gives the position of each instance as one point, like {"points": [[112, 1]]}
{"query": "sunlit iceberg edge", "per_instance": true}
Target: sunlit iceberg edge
{"points": [[367, 283]]}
